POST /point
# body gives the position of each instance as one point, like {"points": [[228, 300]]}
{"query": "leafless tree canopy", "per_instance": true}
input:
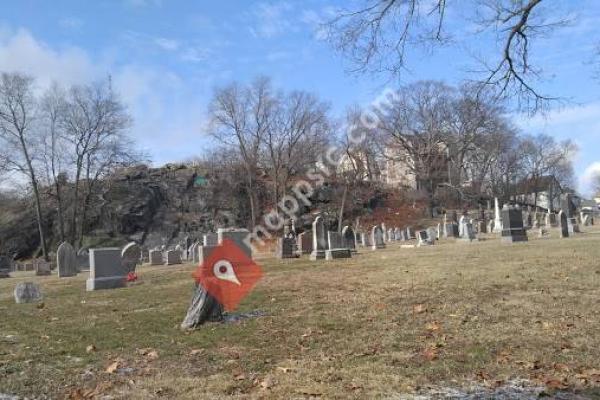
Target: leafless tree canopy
{"points": [[64, 142], [381, 36]]}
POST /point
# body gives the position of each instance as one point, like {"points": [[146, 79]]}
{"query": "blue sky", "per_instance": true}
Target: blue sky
{"points": [[165, 58]]}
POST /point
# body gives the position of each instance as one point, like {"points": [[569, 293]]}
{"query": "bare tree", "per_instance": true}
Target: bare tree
{"points": [[416, 133], [596, 183], [543, 157], [296, 135], [379, 37], [240, 121], [55, 149], [94, 121], [18, 137]]}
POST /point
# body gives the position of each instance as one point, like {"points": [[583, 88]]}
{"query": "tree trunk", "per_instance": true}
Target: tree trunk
{"points": [[59, 206], [342, 205], [38, 212], [204, 308], [36, 193]]}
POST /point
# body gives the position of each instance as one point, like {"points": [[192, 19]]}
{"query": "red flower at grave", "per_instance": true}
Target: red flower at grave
{"points": [[132, 277], [228, 274]]}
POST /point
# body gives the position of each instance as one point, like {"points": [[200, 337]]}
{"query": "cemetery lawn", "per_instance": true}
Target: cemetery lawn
{"points": [[380, 324]]}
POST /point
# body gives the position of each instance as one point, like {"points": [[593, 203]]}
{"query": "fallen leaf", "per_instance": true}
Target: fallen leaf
{"points": [[267, 383], [196, 352], [285, 370], [90, 349], [555, 383], [419, 308], [112, 368], [433, 326], [430, 354]]}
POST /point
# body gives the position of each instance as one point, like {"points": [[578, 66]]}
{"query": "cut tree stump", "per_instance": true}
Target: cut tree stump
{"points": [[204, 308]]}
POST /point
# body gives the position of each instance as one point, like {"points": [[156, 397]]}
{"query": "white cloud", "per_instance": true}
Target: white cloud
{"points": [[579, 123], [168, 115], [20, 51], [166, 44], [589, 178], [195, 54], [272, 19]]}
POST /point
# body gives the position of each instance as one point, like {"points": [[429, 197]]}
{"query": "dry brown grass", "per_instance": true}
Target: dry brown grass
{"points": [[379, 324]]}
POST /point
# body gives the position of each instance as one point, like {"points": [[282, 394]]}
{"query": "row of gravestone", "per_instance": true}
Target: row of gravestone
{"points": [[322, 244]]}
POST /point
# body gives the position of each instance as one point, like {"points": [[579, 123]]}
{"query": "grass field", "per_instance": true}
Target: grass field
{"points": [[381, 324]]}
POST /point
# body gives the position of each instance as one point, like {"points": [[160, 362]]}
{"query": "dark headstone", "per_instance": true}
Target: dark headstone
{"points": [[512, 225]]}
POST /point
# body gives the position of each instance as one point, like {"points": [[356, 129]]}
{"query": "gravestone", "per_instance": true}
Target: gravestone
{"points": [[210, 239], [432, 233], [569, 209], [564, 224], [305, 241], [512, 225], [423, 239], [42, 267], [497, 217], [390, 235], [349, 238], [409, 233], [27, 292], [194, 253], [106, 270], [156, 257], [384, 230], [173, 257], [336, 246], [490, 225], [131, 255], [366, 239], [466, 231], [377, 238], [286, 248], [397, 234], [239, 236], [5, 266], [83, 260], [145, 256], [319, 239], [66, 260]]}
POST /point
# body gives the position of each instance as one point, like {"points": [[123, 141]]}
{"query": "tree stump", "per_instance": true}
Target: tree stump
{"points": [[204, 308]]}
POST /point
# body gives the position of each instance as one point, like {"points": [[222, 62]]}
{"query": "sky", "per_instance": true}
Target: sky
{"points": [[166, 57]]}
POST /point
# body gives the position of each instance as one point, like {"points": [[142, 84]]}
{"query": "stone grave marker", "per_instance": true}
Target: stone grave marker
{"points": [[349, 238], [239, 236], [423, 239], [319, 239], [66, 260], [27, 292], [564, 225], [156, 257], [131, 255], [377, 238], [210, 239], [305, 242], [286, 248], [513, 229], [42, 267], [106, 269], [173, 257], [336, 246], [5, 266]]}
